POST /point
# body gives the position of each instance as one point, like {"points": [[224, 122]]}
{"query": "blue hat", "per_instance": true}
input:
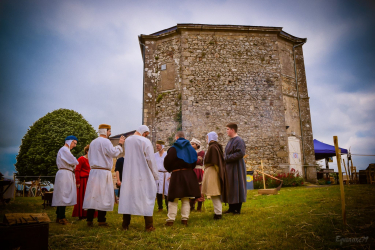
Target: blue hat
{"points": [[71, 137]]}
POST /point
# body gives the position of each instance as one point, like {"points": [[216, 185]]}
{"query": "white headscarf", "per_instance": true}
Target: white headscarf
{"points": [[212, 136], [142, 129], [69, 142], [196, 141], [103, 131]]}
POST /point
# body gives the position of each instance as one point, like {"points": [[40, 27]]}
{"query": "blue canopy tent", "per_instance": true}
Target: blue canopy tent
{"points": [[323, 150]]}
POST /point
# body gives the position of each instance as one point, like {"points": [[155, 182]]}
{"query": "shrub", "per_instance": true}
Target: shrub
{"points": [[42, 141]]}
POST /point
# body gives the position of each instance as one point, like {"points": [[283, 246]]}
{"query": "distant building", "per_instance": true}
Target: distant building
{"points": [[200, 77]]}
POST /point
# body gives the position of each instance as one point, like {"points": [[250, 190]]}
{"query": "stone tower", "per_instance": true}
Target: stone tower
{"points": [[200, 77]]}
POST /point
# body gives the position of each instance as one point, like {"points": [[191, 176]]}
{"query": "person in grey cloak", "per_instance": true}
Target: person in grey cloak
{"points": [[235, 169]]}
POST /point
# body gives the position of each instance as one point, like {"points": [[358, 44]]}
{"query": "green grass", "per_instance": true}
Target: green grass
{"points": [[297, 218]]}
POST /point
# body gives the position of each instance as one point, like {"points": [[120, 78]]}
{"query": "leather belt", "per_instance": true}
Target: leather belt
{"points": [[102, 168], [66, 169], [179, 169]]}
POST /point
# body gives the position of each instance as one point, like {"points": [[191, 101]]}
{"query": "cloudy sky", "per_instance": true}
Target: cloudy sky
{"points": [[84, 55]]}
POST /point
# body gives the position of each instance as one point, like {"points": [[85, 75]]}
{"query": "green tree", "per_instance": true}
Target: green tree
{"points": [[42, 141]]}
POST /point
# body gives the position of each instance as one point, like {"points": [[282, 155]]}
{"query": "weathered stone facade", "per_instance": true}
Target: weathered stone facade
{"points": [[198, 78]]}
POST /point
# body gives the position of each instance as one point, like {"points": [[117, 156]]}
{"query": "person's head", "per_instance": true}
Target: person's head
{"points": [[143, 130], [71, 141], [105, 130], [179, 135], [195, 143], [86, 149], [212, 136], [160, 145], [231, 130]]}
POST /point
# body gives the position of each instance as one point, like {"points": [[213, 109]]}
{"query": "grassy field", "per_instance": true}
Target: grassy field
{"points": [[297, 218]]}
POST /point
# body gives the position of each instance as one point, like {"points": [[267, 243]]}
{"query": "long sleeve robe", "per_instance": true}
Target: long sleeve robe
{"points": [[162, 184], [138, 187], [236, 170], [65, 190], [99, 190]]}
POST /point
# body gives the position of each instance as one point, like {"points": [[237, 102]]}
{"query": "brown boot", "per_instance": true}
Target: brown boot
{"points": [[199, 208], [126, 218], [63, 221], [103, 224], [192, 205], [169, 223], [57, 220], [217, 216], [149, 224], [184, 222], [90, 224]]}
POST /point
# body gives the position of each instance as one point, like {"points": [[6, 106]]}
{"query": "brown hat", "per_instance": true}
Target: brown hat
{"points": [[160, 142], [104, 126]]}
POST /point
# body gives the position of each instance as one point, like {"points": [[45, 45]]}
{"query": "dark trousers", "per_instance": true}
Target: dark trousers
{"points": [[126, 218], [60, 212], [101, 215], [159, 198], [235, 208]]}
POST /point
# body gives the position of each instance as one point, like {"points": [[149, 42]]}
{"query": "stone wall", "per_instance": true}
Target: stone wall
{"points": [[211, 77]]}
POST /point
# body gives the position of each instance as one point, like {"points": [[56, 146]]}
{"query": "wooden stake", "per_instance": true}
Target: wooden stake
{"points": [[264, 179], [350, 175], [15, 190], [347, 177], [354, 177], [338, 158]]}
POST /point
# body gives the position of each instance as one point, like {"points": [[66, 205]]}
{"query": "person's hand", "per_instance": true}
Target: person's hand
{"points": [[122, 140], [119, 183], [200, 157], [78, 185], [168, 178]]}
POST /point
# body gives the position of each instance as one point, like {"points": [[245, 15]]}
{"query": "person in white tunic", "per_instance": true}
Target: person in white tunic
{"points": [[162, 184], [65, 190], [138, 187], [99, 191]]}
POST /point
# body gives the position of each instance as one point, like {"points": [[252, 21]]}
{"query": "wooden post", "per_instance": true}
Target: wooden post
{"points": [[347, 177], [15, 189], [264, 179], [354, 177], [350, 175], [338, 158]]}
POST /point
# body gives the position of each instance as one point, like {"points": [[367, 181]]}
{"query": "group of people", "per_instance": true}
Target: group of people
{"points": [[183, 173]]}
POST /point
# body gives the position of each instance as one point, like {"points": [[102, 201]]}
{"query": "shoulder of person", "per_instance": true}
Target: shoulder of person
{"points": [[171, 150]]}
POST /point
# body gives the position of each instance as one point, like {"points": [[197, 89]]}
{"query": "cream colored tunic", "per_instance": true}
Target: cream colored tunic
{"points": [[65, 190], [211, 181], [99, 190], [138, 187]]}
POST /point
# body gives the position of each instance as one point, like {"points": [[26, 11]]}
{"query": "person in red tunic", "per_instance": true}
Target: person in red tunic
{"points": [[82, 172], [196, 144]]}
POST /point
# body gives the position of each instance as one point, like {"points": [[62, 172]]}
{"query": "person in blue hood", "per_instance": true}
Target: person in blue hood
{"points": [[180, 161]]}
